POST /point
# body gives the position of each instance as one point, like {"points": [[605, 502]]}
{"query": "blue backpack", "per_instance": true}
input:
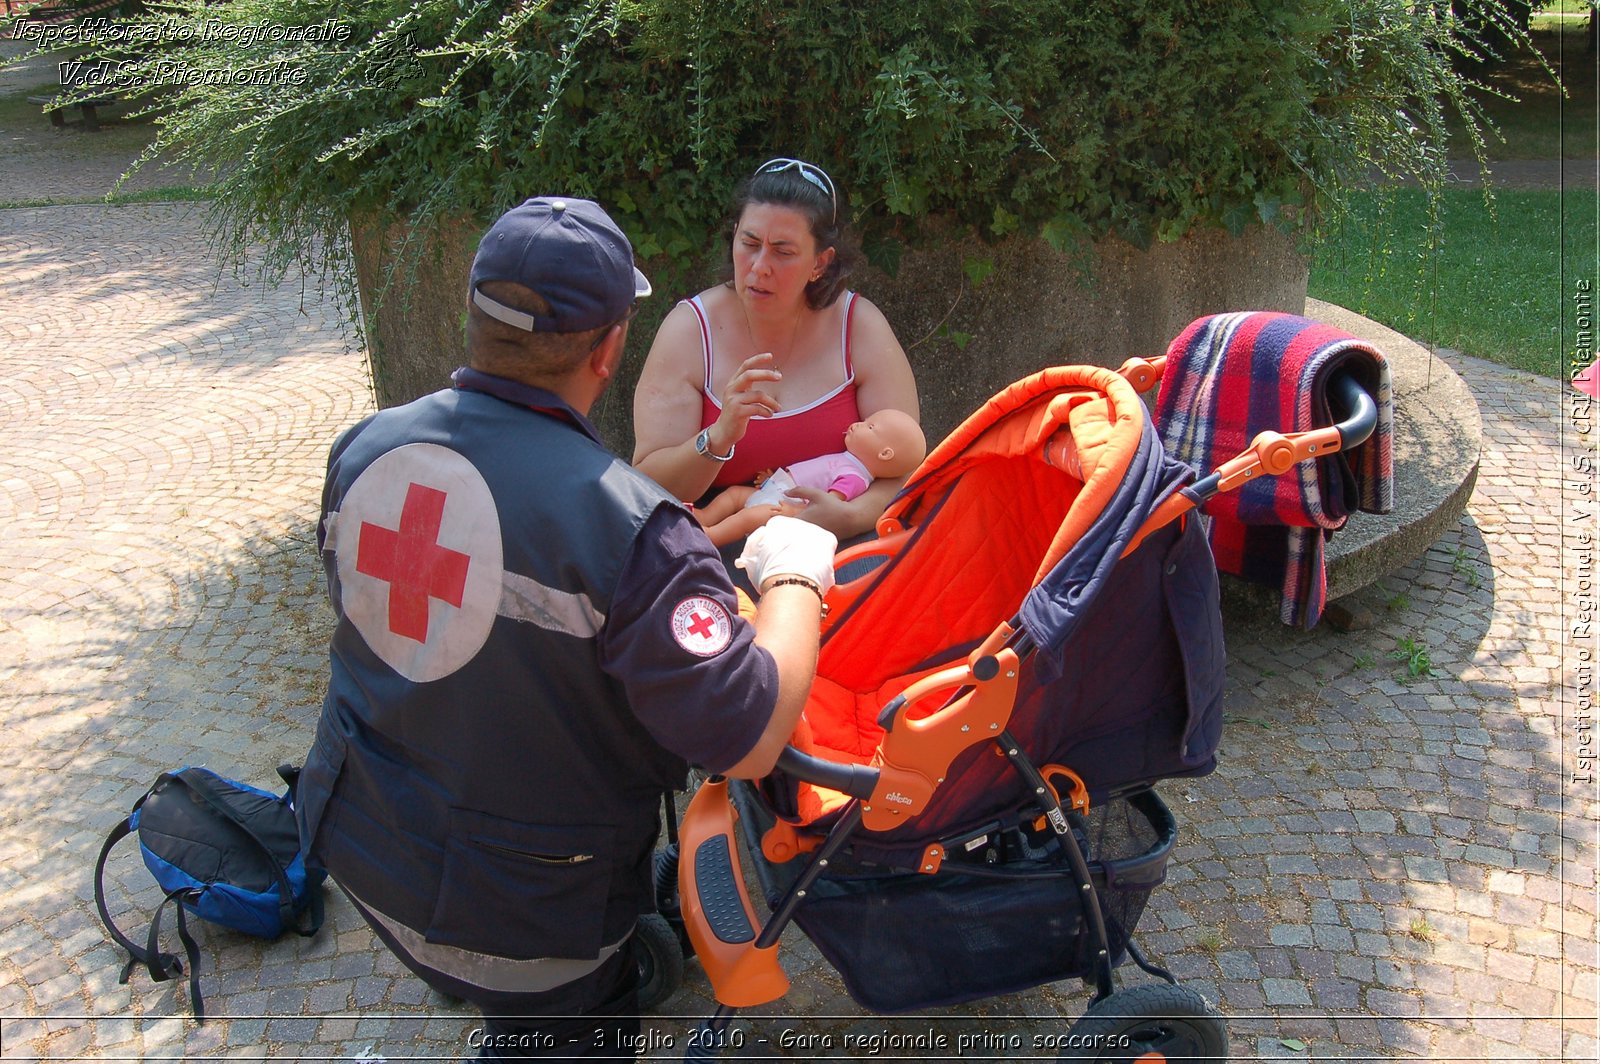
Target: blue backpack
{"points": [[222, 850]]}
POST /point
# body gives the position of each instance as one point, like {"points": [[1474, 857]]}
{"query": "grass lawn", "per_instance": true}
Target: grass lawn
{"points": [[1491, 285], [1541, 123], [35, 150], [117, 134], [1563, 7]]}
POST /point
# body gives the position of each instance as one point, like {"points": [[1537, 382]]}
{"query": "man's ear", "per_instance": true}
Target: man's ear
{"points": [[604, 359]]}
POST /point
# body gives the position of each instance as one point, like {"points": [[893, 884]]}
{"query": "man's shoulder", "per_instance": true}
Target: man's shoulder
{"points": [[622, 479]]}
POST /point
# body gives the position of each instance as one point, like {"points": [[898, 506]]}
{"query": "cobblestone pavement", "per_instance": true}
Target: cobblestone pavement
{"points": [[1393, 861]]}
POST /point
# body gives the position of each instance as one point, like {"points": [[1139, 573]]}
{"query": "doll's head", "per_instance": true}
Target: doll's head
{"points": [[889, 443]]}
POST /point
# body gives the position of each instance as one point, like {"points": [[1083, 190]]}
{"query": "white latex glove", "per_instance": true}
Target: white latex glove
{"points": [[789, 546]]}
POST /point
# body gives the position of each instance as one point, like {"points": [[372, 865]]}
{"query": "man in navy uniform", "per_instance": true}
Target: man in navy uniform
{"points": [[533, 641]]}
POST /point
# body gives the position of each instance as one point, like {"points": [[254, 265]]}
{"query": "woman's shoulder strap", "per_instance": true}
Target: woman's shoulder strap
{"points": [[704, 318], [844, 335]]}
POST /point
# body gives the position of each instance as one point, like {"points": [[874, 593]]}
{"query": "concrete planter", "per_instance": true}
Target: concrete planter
{"points": [[1038, 307]]}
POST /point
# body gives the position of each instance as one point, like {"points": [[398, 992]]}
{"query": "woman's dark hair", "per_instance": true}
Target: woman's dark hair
{"points": [[825, 214]]}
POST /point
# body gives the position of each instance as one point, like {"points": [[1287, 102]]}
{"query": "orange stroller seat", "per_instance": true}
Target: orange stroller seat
{"points": [[1022, 485]]}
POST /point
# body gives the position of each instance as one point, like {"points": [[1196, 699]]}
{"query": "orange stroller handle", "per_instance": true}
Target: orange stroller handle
{"points": [[1143, 373], [1077, 790]]}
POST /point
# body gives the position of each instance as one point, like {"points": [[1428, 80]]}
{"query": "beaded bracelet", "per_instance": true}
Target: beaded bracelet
{"points": [[800, 581]]}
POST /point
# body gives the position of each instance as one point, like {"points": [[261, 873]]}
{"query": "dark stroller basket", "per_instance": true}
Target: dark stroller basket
{"points": [[982, 910]]}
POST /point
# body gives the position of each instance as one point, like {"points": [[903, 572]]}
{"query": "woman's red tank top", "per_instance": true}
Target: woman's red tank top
{"points": [[790, 435]]}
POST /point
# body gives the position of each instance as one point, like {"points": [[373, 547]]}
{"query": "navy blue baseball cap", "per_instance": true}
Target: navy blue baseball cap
{"points": [[571, 253]]}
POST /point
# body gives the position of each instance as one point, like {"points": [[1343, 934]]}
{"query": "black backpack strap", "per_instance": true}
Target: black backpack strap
{"points": [[290, 774], [161, 966], [190, 948], [136, 955], [312, 915], [202, 783]]}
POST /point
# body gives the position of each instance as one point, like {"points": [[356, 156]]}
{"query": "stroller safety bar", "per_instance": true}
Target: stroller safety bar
{"points": [[858, 781]]}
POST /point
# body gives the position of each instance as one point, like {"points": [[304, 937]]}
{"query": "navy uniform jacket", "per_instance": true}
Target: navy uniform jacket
{"points": [[532, 640]]}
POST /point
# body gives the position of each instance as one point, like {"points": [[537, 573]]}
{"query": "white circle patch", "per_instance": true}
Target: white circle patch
{"points": [[701, 626], [419, 559]]}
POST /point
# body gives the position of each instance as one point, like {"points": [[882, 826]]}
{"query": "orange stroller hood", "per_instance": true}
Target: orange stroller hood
{"points": [[1024, 513], [1014, 488]]}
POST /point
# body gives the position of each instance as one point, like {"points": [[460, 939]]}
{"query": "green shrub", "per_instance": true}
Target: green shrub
{"points": [[1068, 119]]}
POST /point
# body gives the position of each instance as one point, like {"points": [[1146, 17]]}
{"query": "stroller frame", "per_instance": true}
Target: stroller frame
{"points": [[739, 951]]}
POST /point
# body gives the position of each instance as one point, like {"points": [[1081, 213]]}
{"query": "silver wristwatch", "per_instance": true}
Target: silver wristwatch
{"points": [[702, 446]]}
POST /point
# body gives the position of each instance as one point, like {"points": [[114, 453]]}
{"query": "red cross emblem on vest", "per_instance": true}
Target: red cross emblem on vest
{"points": [[412, 562]]}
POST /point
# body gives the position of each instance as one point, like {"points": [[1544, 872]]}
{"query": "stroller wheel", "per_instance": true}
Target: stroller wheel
{"points": [[660, 960], [1154, 1021], [666, 888]]}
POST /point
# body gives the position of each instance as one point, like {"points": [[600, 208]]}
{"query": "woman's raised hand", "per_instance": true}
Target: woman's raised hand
{"points": [[745, 398]]}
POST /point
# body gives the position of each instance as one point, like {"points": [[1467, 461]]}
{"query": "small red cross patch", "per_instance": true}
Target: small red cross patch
{"points": [[701, 626]]}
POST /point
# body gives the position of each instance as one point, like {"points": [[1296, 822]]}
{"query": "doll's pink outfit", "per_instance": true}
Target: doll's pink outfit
{"points": [[842, 472]]}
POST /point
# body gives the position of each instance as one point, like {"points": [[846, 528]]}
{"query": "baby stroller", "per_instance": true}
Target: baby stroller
{"points": [[1037, 641]]}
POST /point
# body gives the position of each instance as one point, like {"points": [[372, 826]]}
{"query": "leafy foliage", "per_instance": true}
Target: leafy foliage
{"points": [[1146, 118]]}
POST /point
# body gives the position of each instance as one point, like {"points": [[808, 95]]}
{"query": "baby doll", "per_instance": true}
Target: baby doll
{"points": [[886, 444]]}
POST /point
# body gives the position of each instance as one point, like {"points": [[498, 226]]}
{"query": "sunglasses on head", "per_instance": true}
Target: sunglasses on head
{"points": [[633, 308], [810, 171]]}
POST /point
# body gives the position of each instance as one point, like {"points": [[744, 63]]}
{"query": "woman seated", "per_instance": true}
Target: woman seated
{"points": [[772, 366]]}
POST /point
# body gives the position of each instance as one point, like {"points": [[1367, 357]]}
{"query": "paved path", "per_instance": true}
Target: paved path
{"points": [[1385, 865], [1572, 175]]}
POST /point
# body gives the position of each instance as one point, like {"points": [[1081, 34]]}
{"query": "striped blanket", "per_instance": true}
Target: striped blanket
{"points": [[1230, 376]]}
